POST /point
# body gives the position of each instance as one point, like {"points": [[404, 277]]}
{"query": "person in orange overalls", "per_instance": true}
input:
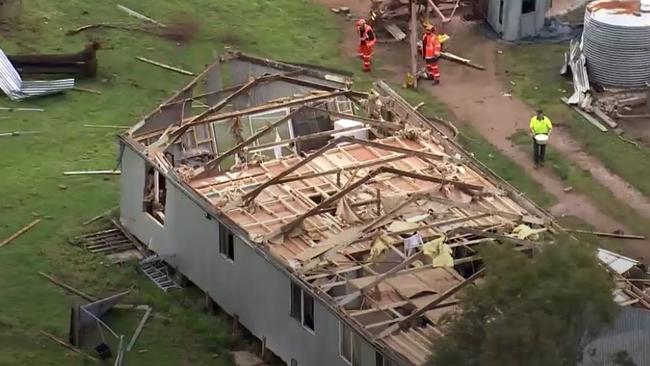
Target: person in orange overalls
{"points": [[367, 42], [431, 49]]}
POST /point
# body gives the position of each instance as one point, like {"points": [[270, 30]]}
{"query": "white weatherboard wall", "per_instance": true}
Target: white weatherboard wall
{"points": [[250, 287], [515, 25]]}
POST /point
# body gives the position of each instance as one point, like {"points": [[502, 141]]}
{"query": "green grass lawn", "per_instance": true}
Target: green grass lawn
{"points": [[32, 183], [535, 71]]}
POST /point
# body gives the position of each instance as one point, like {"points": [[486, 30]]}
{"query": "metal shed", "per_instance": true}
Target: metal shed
{"points": [[516, 19]]}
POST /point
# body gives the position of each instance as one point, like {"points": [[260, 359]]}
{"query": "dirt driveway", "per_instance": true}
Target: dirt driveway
{"points": [[477, 97]]}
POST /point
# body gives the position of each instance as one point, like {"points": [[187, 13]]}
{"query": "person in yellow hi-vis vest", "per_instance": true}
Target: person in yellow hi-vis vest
{"points": [[540, 127]]}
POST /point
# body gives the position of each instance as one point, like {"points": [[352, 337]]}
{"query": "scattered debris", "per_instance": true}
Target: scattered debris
{"points": [[460, 60], [80, 64], [605, 118], [67, 345], [19, 232], [138, 330], [83, 317], [636, 144], [16, 89], [85, 90], [11, 109], [106, 126], [164, 66], [101, 25], [110, 242], [68, 287], [104, 214], [18, 133], [93, 172], [608, 235], [585, 115], [134, 13], [181, 31], [395, 31]]}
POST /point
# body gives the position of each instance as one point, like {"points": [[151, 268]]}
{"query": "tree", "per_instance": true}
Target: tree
{"points": [[535, 312]]}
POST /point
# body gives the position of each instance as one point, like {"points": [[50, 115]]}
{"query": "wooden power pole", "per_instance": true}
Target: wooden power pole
{"points": [[413, 40]]}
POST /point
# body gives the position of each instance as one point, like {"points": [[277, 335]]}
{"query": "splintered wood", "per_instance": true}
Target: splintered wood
{"points": [[19, 232]]}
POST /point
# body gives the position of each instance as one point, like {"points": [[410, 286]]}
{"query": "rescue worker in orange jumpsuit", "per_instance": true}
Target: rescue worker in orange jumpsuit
{"points": [[367, 42], [431, 49]]}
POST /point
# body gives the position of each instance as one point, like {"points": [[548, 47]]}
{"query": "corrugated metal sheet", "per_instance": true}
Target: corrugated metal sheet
{"points": [[17, 89], [630, 333], [617, 45], [615, 261], [578, 64]]}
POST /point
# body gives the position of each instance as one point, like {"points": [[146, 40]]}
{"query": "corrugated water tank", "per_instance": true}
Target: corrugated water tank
{"points": [[616, 42]]}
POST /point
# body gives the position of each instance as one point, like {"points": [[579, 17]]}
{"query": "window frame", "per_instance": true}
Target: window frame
{"points": [[342, 328], [296, 312], [226, 243], [299, 314], [158, 191]]}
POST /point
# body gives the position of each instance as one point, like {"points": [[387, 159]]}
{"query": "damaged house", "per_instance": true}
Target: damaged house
{"points": [[336, 226]]}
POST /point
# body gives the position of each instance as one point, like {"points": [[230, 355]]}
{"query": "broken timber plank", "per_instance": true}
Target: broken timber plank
{"points": [[395, 31], [93, 172], [460, 60], [104, 214], [85, 90], [19, 232], [11, 109], [134, 13], [609, 235], [605, 118], [68, 287], [106, 126], [164, 66], [138, 330], [585, 115], [18, 133], [67, 345]]}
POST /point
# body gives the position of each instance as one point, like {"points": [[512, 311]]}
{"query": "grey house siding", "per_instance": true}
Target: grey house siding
{"points": [[250, 287]]}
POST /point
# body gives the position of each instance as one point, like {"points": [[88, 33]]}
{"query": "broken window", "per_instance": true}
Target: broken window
{"points": [[302, 306], [307, 311], [528, 6], [155, 194], [226, 243]]}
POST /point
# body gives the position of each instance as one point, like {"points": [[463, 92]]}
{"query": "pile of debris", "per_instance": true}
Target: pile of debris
{"points": [[610, 65]]}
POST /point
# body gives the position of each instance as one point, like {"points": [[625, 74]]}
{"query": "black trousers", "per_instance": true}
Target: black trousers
{"points": [[539, 152]]}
